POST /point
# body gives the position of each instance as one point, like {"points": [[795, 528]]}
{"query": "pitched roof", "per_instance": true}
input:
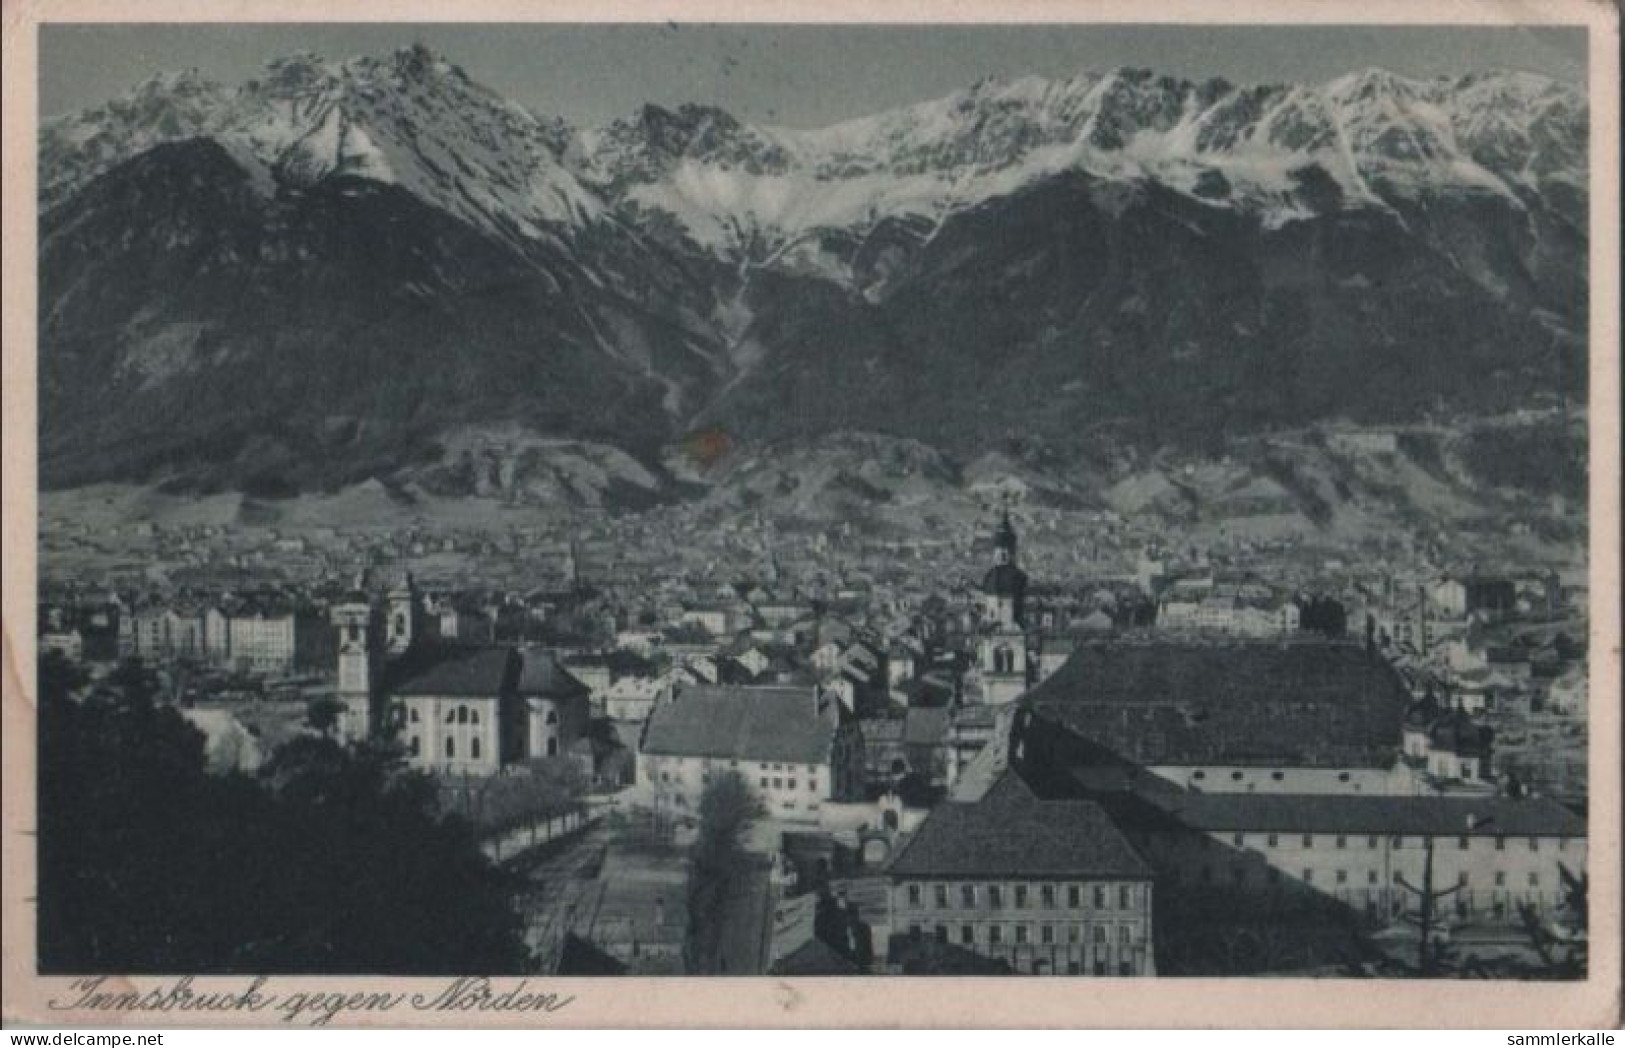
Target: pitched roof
{"points": [[1299, 704], [620, 663], [742, 723], [581, 957], [1366, 814], [797, 948], [542, 674], [474, 672], [1010, 832], [814, 957]]}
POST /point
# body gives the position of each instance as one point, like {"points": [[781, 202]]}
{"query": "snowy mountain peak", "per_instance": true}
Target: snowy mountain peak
{"points": [[1112, 246], [1370, 138], [410, 118]]}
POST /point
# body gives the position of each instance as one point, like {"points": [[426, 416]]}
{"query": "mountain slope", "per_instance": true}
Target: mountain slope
{"points": [[1079, 305], [191, 325], [331, 271]]}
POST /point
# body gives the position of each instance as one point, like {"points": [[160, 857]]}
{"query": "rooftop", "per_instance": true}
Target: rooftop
{"points": [[741, 723], [1010, 832], [1360, 814], [542, 674], [1296, 704], [473, 672]]}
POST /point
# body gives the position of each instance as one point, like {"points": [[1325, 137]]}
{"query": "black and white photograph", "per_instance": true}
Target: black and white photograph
{"points": [[1106, 502]]}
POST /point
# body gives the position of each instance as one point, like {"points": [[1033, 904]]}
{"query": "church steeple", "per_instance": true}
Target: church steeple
{"points": [[1005, 586], [1005, 670], [1004, 540]]}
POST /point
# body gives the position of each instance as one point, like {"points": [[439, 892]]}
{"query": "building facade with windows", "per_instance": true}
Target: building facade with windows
{"points": [[454, 708], [1368, 850], [462, 715], [471, 711], [1369, 854], [262, 638], [1049, 887], [796, 747]]}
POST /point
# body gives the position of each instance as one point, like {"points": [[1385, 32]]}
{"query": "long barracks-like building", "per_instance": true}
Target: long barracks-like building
{"points": [[1092, 779]]}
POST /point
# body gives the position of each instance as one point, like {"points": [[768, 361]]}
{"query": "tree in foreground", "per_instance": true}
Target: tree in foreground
{"points": [[1561, 943], [334, 859], [717, 862]]}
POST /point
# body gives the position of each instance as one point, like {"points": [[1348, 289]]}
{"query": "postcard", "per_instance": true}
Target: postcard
{"points": [[791, 514]]}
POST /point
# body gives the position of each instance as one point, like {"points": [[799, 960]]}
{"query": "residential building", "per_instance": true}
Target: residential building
{"points": [[1363, 851], [1051, 887], [792, 745]]}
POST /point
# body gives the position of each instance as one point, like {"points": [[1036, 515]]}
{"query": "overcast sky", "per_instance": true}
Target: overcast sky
{"points": [[796, 76]]}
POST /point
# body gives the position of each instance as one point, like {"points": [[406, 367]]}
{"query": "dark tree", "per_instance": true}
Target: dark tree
{"points": [[1561, 944], [717, 862], [335, 860], [59, 677], [322, 715]]}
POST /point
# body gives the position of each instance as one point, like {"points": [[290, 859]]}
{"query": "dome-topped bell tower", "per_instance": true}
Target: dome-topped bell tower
{"points": [[1004, 587], [1002, 647]]}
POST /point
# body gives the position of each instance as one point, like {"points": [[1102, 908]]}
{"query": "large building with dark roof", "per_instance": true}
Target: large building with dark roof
{"points": [[1360, 853], [1092, 777], [455, 708], [1047, 886], [471, 710], [795, 746], [1367, 855], [1298, 717]]}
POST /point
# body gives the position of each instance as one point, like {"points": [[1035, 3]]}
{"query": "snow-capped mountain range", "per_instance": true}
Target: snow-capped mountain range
{"points": [[417, 120], [1045, 247]]}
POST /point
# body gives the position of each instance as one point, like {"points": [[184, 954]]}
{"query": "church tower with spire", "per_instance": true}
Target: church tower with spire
{"points": [[1002, 646]]}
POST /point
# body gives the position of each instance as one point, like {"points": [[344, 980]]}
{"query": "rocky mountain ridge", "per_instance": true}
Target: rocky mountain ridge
{"points": [[327, 273]]}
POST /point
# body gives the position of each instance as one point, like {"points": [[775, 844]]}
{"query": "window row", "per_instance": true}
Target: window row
{"points": [[778, 783], [1277, 776], [1272, 875], [1372, 841], [1022, 896], [414, 747], [454, 715], [1098, 935]]}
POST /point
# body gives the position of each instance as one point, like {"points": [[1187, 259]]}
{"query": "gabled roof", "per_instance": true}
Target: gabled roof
{"points": [[741, 723], [541, 674], [1298, 704], [620, 663], [796, 946], [1011, 832], [581, 957]]}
